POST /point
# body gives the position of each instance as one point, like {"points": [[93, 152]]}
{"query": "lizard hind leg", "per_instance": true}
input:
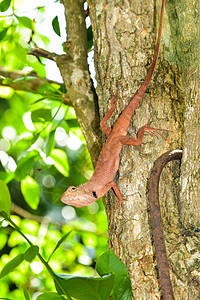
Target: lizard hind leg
{"points": [[125, 140]]}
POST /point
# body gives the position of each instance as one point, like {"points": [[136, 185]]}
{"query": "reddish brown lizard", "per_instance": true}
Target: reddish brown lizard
{"points": [[108, 161]]}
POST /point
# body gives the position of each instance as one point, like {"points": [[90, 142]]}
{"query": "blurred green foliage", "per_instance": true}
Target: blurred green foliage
{"points": [[42, 152]]}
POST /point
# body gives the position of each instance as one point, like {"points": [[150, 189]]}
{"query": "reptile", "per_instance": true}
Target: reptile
{"points": [[108, 162]]}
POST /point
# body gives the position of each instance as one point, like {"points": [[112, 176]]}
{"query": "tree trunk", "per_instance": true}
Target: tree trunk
{"points": [[124, 39]]}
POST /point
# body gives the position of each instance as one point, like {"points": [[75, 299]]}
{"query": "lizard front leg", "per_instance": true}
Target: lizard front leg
{"points": [[106, 129], [125, 140], [116, 189]]}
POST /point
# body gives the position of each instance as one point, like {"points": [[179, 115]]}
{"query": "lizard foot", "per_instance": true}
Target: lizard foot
{"points": [[155, 131]]}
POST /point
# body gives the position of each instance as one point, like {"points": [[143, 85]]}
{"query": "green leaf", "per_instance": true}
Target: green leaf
{"points": [[27, 294], [20, 52], [4, 5], [108, 263], [11, 265], [90, 288], [41, 115], [47, 89], [56, 26], [31, 191], [5, 199], [89, 37], [25, 165], [73, 123], [41, 8], [50, 296], [7, 81], [26, 22], [31, 253], [2, 36], [4, 215], [60, 161], [1, 222], [26, 143], [6, 177], [59, 243], [50, 143]]}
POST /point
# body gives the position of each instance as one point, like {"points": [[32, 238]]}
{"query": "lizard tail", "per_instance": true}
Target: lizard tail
{"points": [[140, 92]]}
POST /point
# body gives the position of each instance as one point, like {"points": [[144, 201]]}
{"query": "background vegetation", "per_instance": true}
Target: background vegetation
{"points": [[42, 152]]}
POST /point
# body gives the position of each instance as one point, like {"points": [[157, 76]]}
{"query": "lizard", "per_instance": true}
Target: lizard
{"points": [[108, 162], [156, 221]]}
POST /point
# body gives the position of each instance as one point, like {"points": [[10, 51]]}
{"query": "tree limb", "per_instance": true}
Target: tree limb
{"points": [[32, 84], [74, 69], [39, 52]]}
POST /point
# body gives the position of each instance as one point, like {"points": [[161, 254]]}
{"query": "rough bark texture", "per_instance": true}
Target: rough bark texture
{"points": [[185, 39], [124, 40]]}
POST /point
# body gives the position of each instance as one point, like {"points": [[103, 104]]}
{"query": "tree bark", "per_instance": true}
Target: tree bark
{"points": [[124, 41]]}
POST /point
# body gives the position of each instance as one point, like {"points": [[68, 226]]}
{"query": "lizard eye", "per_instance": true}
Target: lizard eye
{"points": [[73, 188]]}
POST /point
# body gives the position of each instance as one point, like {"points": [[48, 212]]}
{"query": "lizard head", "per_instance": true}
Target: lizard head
{"points": [[78, 196]]}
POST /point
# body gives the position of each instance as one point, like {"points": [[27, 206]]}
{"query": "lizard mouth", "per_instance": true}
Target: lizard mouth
{"points": [[77, 201]]}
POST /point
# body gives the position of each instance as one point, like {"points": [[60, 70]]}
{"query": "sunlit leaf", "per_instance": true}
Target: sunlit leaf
{"points": [[4, 5], [41, 115], [60, 161], [7, 81], [27, 294], [11, 265], [20, 52], [25, 21], [50, 143], [90, 288], [6, 177], [59, 243], [50, 296], [31, 253], [26, 143], [108, 263], [56, 26], [25, 165], [3, 239], [41, 8], [31, 191], [47, 89], [37, 66], [5, 199]]}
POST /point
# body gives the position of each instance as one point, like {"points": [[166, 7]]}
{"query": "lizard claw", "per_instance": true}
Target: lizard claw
{"points": [[154, 131]]}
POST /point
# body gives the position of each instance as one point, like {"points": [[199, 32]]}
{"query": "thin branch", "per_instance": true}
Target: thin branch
{"points": [[39, 52], [24, 213], [15, 209], [33, 83]]}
